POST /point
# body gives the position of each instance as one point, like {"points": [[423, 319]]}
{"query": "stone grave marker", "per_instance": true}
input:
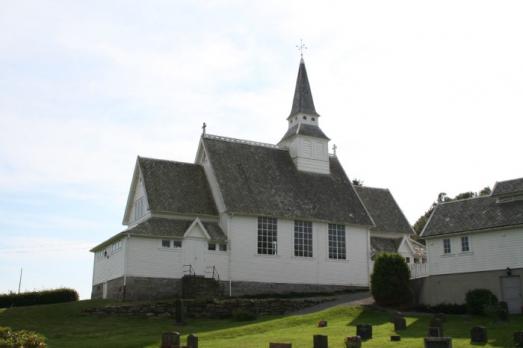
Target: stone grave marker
{"points": [[436, 322], [322, 323], [353, 342], [438, 342], [364, 331], [395, 338], [320, 341], [170, 340], [399, 324], [192, 341], [280, 345], [435, 331], [478, 334], [518, 338], [179, 312]]}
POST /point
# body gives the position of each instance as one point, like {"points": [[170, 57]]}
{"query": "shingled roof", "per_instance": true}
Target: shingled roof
{"points": [[176, 187], [305, 129], [168, 228], [384, 245], [262, 180], [474, 214], [508, 187], [384, 210]]}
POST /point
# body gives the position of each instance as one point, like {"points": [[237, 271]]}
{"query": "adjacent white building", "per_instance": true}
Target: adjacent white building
{"points": [[476, 243], [256, 217]]}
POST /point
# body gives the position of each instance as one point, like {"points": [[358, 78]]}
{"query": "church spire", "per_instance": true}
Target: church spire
{"points": [[302, 102]]}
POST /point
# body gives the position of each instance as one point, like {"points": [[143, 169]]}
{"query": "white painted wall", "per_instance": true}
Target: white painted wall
{"points": [[139, 192], [492, 250], [107, 268], [147, 258], [309, 153], [247, 265]]}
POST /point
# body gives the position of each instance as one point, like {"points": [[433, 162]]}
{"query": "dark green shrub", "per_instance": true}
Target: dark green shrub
{"points": [[242, 314], [390, 280], [20, 339], [449, 308], [38, 297], [477, 299], [497, 311]]}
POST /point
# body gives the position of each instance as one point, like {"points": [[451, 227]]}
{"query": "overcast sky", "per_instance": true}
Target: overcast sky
{"points": [[420, 97]]}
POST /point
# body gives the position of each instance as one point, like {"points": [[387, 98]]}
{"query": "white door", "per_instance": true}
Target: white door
{"points": [[511, 290], [194, 254]]}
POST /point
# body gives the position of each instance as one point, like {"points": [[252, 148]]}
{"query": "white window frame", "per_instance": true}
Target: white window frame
{"points": [[336, 242], [303, 238], [267, 235], [465, 242], [168, 243], [447, 246]]}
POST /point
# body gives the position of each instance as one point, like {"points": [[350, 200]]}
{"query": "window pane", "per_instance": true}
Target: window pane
{"points": [[212, 246], [223, 247], [267, 235], [303, 238], [177, 243], [166, 243], [337, 248]]}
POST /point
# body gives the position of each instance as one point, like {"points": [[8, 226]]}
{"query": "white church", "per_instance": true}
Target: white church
{"points": [[257, 218]]}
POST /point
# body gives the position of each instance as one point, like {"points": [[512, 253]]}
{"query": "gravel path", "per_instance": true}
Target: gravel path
{"points": [[356, 298]]}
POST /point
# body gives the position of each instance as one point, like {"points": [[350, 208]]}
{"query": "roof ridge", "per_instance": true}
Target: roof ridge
{"points": [[166, 160], [241, 141], [373, 187], [465, 199]]}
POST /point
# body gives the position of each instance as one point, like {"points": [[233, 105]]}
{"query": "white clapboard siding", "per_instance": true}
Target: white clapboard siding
{"points": [[109, 266]]}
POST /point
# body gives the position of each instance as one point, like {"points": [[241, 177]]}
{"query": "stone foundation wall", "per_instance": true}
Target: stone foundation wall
{"points": [[212, 309], [142, 288]]}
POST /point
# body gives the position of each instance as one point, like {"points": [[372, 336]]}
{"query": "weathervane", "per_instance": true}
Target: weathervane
{"points": [[301, 47]]}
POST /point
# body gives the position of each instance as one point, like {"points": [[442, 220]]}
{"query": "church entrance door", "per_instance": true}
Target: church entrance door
{"points": [[194, 254]]}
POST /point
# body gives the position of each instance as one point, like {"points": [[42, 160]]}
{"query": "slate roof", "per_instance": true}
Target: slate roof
{"points": [[304, 129], [384, 245], [384, 210], [473, 214], [302, 101], [514, 186], [176, 187], [262, 180], [169, 228]]}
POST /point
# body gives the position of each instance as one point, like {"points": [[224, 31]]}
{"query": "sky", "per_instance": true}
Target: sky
{"points": [[419, 97]]}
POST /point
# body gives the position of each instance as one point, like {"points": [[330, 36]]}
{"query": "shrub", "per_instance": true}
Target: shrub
{"points": [[20, 339], [390, 280], [497, 311], [242, 314], [38, 297], [449, 308], [477, 299]]}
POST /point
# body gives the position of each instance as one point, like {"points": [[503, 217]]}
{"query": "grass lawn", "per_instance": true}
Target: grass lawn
{"points": [[65, 326]]}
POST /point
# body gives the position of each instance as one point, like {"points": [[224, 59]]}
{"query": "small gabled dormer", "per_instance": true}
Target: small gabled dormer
{"points": [[508, 191], [306, 142]]}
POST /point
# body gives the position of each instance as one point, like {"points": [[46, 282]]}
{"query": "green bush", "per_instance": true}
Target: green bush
{"points": [[242, 314], [20, 339], [497, 311], [390, 280], [38, 297], [478, 299]]}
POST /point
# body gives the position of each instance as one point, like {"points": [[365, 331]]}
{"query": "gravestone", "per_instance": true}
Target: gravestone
{"points": [[364, 331], [438, 342], [478, 334], [280, 345], [322, 323], [518, 338], [399, 324], [353, 342], [436, 322], [395, 338], [192, 341], [435, 331], [170, 340], [320, 341], [179, 312]]}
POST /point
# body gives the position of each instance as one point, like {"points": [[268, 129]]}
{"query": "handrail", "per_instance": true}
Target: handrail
{"points": [[215, 273], [190, 270]]}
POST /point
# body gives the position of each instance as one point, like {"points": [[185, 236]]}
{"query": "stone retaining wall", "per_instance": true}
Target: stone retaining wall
{"points": [[211, 309]]}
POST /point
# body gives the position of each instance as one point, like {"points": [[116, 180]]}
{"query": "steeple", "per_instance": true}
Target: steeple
{"points": [[302, 102]]}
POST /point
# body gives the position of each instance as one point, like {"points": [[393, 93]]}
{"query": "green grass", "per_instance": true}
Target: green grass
{"points": [[65, 326]]}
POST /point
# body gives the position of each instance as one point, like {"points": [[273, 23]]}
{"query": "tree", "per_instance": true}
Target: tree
{"points": [[390, 280]]}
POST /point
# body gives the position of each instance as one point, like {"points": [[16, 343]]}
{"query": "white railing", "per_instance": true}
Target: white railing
{"points": [[418, 270]]}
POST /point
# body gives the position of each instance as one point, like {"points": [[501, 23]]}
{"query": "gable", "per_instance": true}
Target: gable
{"points": [[263, 180], [197, 230]]}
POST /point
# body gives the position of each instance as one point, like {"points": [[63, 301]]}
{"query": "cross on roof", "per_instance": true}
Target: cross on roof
{"points": [[204, 126], [334, 148], [301, 47]]}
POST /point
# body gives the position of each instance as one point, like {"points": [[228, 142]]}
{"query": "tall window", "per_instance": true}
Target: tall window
{"points": [[139, 208], [267, 235], [446, 246], [303, 238], [337, 242], [465, 243]]}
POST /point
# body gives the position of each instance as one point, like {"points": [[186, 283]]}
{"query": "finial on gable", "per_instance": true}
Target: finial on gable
{"points": [[204, 127], [334, 148], [300, 48]]}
